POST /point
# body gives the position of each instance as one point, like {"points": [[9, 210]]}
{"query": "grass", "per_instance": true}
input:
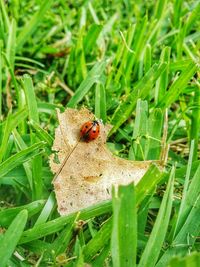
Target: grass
{"points": [[131, 63]]}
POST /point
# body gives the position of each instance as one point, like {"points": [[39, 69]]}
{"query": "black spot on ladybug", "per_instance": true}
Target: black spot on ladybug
{"points": [[94, 131], [86, 126]]}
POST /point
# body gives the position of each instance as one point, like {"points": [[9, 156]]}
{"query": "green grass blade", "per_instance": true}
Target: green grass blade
{"points": [[7, 215], [123, 54], [94, 75], [62, 241], [47, 210], [162, 82], [152, 250], [10, 48], [32, 24], [148, 183], [137, 150], [155, 126], [41, 133], [178, 86], [5, 16], [147, 58], [192, 260], [20, 146], [91, 37], [20, 158], [11, 238], [124, 230], [81, 69], [195, 119], [181, 218], [30, 98], [33, 116], [98, 241], [192, 18], [160, 8], [6, 130], [177, 12], [1, 78], [185, 238], [16, 118], [138, 47], [101, 259], [55, 225], [100, 102], [190, 198], [11, 71], [30, 60], [141, 90]]}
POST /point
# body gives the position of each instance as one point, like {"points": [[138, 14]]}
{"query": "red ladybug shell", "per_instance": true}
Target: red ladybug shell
{"points": [[89, 131]]}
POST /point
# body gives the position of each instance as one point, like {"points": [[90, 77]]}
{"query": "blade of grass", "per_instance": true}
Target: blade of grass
{"points": [[5, 16], [124, 229], [177, 12], [10, 48], [33, 116], [148, 183], [137, 149], [26, 59], [30, 98], [192, 260], [47, 210], [101, 259], [41, 133], [178, 86], [11, 238], [20, 146], [195, 119], [181, 218], [91, 37], [138, 47], [56, 225], [191, 196], [185, 238], [141, 90], [1, 78], [81, 69], [7, 215], [155, 126], [32, 24], [123, 54], [152, 250], [98, 241], [94, 75], [20, 157], [147, 58], [100, 102], [11, 71], [5, 137], [61, 242], [162, 82], [160, 8]]}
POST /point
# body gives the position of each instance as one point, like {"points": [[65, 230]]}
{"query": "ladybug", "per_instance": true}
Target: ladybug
{"points": [[89, 131]]}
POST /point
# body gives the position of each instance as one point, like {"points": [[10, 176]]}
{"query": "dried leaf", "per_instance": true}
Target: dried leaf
{"points": [[90, 169]]}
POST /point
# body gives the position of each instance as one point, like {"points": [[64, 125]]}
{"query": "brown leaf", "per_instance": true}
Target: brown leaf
{"points": [[90, 169]]}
